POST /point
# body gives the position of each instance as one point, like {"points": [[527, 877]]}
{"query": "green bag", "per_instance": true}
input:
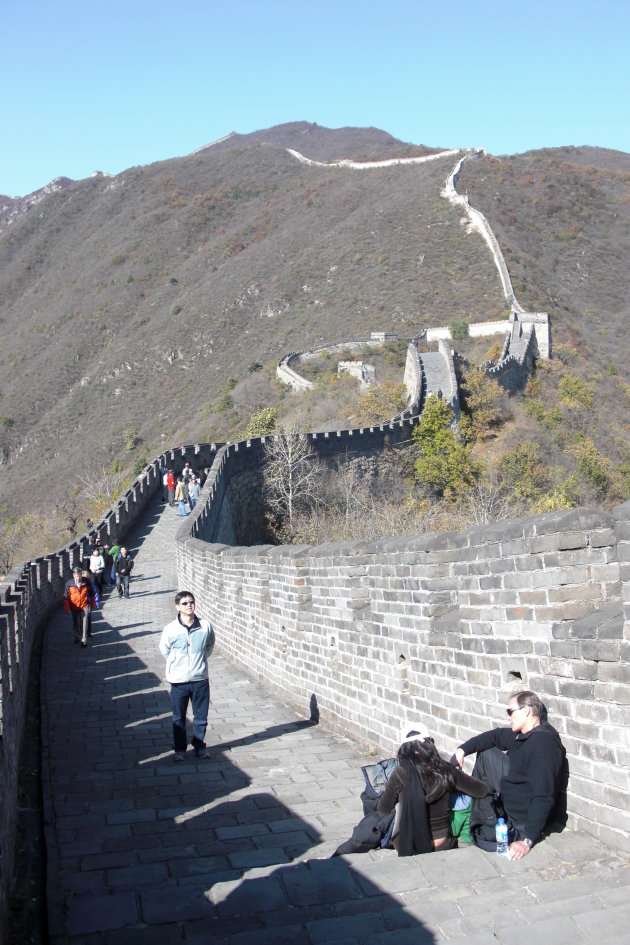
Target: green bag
{"points": [[460, 820]]}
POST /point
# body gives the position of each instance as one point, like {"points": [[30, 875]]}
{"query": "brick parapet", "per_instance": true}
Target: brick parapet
{"points": [[441, 628], [28, 594]]}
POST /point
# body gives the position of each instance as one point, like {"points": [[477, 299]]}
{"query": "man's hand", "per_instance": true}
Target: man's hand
{"points": [[518, 850], [458, 758]]}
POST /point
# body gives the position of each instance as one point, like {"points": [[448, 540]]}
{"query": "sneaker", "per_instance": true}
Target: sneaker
{"points": [[179, 756], [202, 753]]}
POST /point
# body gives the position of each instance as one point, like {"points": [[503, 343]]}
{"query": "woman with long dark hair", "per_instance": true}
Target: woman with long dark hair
{"points": [[420, 790]]}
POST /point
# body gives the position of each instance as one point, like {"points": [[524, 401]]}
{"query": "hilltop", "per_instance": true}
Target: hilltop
{"points": [[131, 306]]}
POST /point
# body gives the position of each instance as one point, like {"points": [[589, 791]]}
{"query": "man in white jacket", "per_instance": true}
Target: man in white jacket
{"points": [[186, 643]]}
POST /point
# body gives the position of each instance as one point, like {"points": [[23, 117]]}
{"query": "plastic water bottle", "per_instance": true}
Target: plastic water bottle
{"points": [[502, 837]]}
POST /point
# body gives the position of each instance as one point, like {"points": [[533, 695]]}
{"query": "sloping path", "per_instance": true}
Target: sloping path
{"points": [[235, 849]]}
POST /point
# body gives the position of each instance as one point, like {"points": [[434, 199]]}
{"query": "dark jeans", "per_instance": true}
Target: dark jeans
{"points": [[122, 580], [181, 694], [490, 767]]}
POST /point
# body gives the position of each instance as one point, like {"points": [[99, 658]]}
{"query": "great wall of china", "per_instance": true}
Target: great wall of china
{"points": [[437, 626]]}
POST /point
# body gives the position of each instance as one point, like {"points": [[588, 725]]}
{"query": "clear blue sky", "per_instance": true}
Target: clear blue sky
{"points": [[103, 87]]}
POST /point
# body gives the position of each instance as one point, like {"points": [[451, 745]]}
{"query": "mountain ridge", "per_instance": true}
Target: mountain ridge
{"points": [[128, 303]]}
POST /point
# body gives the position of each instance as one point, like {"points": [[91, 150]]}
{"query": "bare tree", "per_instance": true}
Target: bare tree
{"points": [[101, 486], [292, 474], [488, 500], [13, 537]]}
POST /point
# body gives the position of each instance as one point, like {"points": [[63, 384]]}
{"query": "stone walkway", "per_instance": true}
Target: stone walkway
{"points": [[235, 849]]}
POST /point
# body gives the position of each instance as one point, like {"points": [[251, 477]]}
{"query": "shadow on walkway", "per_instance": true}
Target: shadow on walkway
{"points": [[233, 849]]}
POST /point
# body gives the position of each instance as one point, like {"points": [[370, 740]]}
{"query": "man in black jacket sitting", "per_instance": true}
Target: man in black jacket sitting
{"points": [[526, 764]]}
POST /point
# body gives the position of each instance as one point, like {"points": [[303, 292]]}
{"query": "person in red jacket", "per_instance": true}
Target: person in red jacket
{"points": [[170, 485], [78, 601]]}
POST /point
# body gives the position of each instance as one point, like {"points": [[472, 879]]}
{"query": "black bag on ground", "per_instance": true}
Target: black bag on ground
{"points": [[490, 767]]}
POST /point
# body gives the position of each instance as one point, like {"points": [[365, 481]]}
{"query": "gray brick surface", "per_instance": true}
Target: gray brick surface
{"points": [[143, 851]]}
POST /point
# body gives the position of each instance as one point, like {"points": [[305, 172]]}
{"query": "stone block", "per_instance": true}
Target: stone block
{"points": [[602, 537], [576, 689], [89, 914], [529, 563], [612, 692], [574, 592], [582, 729], [601, 650], [529, 580], [318, 882], [614, 672], [566, 649], [556, 667], [584, 670]]}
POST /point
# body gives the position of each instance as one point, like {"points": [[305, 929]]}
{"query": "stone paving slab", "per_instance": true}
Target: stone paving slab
{"points": [[236, 850]]}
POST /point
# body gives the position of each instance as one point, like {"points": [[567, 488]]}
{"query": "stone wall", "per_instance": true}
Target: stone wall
{"points": [[443, 628], [28, 594], [414, 380], [285, 369], [231, 509]]}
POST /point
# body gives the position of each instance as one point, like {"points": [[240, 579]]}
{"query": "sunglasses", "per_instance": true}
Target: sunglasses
{"points": [[511, 712], [187, 603]]}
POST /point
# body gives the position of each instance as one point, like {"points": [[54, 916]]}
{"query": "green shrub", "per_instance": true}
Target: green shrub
{"points": [[381, 402], [445, 463], [592, 464], [176, 309], [139, 465], [131, 439], [254, 367], [576, 393], [262, 422], [224, 403], [458, 329]]}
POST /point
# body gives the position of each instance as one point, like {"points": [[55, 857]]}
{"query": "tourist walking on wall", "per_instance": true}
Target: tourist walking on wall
{"points": [[97, 567], [114, 551], [186, 643], [87, 576], [187, 473], [170, 485], [193, 492], [78, 601], [124, 565], [180, 496]]}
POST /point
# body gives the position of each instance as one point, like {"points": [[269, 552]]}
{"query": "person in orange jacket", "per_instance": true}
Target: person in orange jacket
{"points": [[78, 600]]}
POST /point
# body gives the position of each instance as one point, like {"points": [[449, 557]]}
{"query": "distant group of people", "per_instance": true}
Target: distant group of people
{"points": [[83, 593], [183, 489], [112, 564]]}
